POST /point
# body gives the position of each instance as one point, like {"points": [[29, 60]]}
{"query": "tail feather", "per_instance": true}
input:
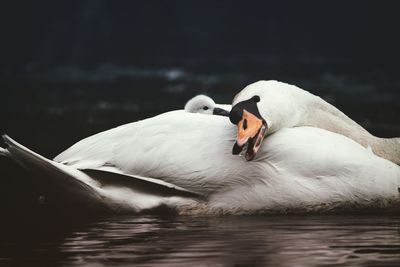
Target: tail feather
{"points": [[74, 184]]}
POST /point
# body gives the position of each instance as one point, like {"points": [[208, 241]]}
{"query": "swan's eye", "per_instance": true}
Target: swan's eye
{"points": [[205, 108], [244, 124]]}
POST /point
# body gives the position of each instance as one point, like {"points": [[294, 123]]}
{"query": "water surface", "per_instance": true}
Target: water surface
{"points": [[211, 241]]}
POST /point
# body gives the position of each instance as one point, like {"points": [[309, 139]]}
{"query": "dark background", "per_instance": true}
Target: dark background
{"points": [[69, 69]]}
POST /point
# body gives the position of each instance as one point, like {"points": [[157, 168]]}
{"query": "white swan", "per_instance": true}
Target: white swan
{"points": [[276, 105], [188, 157]]}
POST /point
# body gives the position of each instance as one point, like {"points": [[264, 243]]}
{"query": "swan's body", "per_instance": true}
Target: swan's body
{"points": [[286, 175], [283, 106], [188, 158]]}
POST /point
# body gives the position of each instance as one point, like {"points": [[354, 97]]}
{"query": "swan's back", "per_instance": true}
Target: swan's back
{"points": [[302, 167], [174, 145]]}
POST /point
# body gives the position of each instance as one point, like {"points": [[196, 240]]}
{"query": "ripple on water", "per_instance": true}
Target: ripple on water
{"points": [[218, 241]]}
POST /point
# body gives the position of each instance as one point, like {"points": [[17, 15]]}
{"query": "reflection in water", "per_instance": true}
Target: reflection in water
{"points": [[217, 241]]}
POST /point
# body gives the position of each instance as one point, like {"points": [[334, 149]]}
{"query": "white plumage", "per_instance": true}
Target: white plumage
{"points": [[296, 169]]}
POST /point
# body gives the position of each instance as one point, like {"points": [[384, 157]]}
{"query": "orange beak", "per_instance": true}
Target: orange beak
{"points": [[251, 131], [248, 127]]}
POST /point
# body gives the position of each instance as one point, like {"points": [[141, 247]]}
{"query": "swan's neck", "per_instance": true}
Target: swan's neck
{"points": [[323, 115]]}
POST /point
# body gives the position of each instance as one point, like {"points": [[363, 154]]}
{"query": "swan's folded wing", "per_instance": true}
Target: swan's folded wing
{"points": [[86, 182], [138, 183]]}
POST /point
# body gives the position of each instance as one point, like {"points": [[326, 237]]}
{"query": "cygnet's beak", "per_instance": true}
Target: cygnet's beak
{"points": [[221, 112], [251, 131]]}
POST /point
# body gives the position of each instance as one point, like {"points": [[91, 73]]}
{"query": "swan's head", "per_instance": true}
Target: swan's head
{"points": [[262, 108], [204, 105]]}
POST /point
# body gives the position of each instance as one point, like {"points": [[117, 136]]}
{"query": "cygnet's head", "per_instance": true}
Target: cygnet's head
{"points": [[204, 105]]}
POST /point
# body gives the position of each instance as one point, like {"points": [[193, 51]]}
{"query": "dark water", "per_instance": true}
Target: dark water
{"points": [[208, 241]]}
